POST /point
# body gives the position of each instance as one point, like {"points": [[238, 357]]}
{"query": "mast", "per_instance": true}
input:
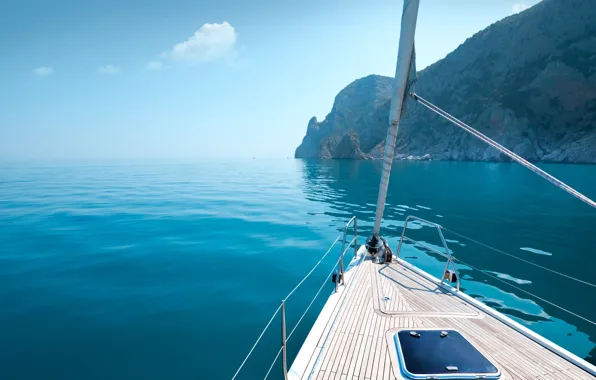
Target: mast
{"points": [[402, 73]]}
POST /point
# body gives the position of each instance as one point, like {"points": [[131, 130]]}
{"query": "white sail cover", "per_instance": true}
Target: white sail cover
{"points": [[405, 77]]}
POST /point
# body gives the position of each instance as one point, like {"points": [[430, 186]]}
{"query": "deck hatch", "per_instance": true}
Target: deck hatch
{"points": [[441, 354]]}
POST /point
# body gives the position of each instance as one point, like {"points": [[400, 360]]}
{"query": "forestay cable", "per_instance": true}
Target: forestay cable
{"points": [[513, 156]]}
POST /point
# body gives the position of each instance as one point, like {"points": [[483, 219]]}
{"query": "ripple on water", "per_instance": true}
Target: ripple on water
{"points": [[151, 254], [536, 251], [407, 207], [453, 241], [508, 277]]}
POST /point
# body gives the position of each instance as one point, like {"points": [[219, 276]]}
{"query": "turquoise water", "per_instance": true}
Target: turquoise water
{"points": [[168, 270]]}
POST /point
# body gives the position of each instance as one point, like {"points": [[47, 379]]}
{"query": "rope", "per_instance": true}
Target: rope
{"points": [[257, 342], [504, 150], [527, 292], [520, 259], [312, 270]]}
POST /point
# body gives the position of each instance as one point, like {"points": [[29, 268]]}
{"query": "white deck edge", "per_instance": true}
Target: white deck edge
{"points": [[313, 344], [574, 359], [307, 356]]}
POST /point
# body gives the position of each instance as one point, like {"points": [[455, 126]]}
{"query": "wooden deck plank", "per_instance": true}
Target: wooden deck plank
{"points": [[357, 347], [355, 369], [349, 348], [364, 364], [373, 346], [328, 354], [358, 341], [349, 329]]}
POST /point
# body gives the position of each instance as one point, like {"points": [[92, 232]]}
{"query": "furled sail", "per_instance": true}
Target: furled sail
{"points": [[405, 78]]}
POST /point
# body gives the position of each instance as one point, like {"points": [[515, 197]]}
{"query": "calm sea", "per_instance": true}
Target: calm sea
{"points": [[169, 270]]}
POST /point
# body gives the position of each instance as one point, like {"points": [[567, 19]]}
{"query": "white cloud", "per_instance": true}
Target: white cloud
{"points": [[519, 7], [210, 42], [153, 65], [109, 70], [43, 71]]}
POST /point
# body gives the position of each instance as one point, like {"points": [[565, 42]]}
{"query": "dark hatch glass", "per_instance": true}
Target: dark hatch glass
{"points": [[429, 353]]}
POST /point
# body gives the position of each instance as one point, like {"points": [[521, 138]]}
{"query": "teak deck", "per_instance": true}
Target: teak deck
{"points": [[378, 299]]}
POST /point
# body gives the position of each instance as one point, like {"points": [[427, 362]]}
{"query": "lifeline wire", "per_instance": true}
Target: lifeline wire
{"points": [[525, 291], [520, 259]]}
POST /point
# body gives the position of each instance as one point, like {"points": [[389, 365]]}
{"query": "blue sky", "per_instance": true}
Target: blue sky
{"points": [[182, 78]]}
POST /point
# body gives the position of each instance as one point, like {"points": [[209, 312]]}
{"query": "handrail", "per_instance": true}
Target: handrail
{"points": [[421, 244], [343, 247], [527, 292], [447, 254], [353, 221], [452, 259]]}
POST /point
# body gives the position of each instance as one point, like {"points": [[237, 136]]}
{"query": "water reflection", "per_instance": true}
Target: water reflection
{"points": [[498, 204]]}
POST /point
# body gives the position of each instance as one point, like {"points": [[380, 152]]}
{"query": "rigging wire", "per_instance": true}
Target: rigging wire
{"points": [[273, 363], [312, 270], [257, 342], [520, 259], [560, 184], [313, 299], [285, 299], [527, 292], [302, 316]]}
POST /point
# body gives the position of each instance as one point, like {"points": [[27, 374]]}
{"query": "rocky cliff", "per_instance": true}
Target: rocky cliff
{"points": [[527, 81]]}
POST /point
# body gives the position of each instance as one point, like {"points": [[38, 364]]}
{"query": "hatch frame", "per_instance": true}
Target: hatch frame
{"points": [[441, 376]]}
